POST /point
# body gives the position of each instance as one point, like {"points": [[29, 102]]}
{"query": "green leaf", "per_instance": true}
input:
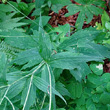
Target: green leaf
{"points": [[57, 72], [94, 79], [89, 16], [62, 29], [11, 23], [44, 86], [36, 12], [80, 108], [92, 107], [61, 109], [89, 104], [82, 1], [39, 3], [3, 68], [73, 8], [12, 33], [14, 76], [97, 68], [44, 21], [61, 89], [80, 101], [79, 35], [105, 98], [15, 89], [44, 42], [81, 72], [45, 75], [95, 10], [2, 91], [80, 20], [95, 98], [45, 46], [28, 57], [107, 25], [97, 52], [58, 4], [6, 8], [99, 3], [29, 97], [85, 9], [100, 89], [105, 18], [70, 60], [105, 77], [21, 42], [75, 90], [22, 6], [56, 7], [63, 2], [108, 87]]}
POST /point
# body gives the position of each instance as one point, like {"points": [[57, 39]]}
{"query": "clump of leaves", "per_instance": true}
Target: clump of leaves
{"points": [[86, 9], [42, 62], [105, 27]]}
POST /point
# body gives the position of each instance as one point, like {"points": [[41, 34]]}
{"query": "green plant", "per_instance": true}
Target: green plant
{"points": [[43, 70], [85, 8], [103, 38]]}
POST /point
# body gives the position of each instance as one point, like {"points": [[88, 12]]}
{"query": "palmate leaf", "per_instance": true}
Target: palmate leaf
{"points": [[22, 41], [6, 8], [58, 4], [12, 33], [97, 2], [94, 49], [69, 60], [86, 11], [7, 22], [86, 35], [62, 29], [81, 42], [31, 57]]}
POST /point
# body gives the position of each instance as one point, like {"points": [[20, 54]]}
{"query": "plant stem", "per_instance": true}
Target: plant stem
{"points": [[50, 87], [4, 95], [43, 101], [10, 102]]}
